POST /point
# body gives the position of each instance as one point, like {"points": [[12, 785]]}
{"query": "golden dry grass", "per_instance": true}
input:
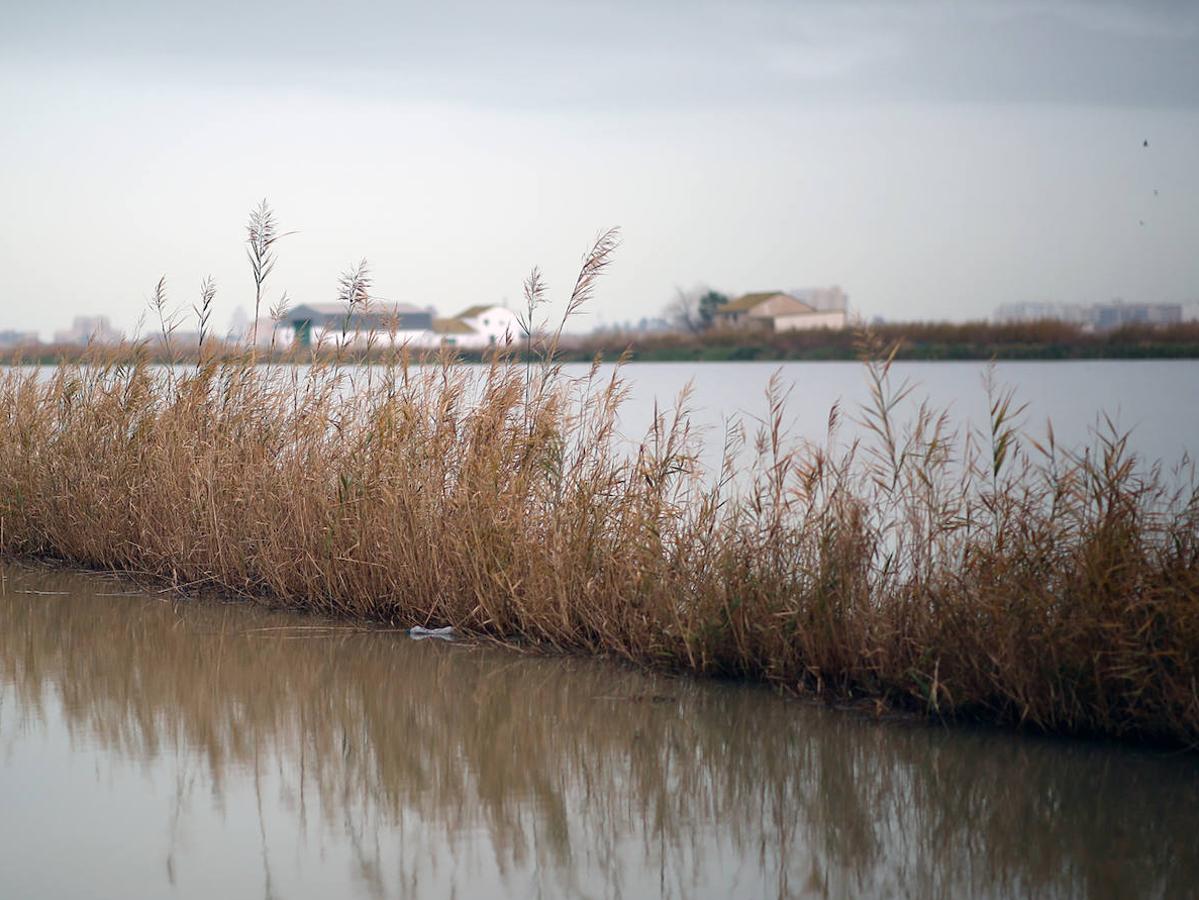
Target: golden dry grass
{"points": [[972, 575]]}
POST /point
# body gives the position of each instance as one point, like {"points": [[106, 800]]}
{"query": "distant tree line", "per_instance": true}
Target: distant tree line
{"points": [[916, 340], [695, 311]]}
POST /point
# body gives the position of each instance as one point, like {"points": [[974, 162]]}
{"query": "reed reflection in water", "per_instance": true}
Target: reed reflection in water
{"points": [[150, 746]]}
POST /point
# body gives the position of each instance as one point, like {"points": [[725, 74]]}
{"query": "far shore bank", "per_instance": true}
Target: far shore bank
{"points": [[915, 341]]}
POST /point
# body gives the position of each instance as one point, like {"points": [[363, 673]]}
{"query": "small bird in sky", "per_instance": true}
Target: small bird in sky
{"points": [[1142, 223], [1145, 143]]}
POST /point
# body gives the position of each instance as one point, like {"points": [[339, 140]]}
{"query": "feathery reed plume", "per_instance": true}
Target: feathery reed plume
{"points": [[262, 232], [595, 262], [168, 320], [203, 311], [354, 293], [158, 303], [278, 312], [534, 294], [354, 285]]}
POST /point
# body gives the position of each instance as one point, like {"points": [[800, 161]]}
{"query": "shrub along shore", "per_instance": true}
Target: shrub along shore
{"points": [[986, 576], [1047, 340], [927, 341]]}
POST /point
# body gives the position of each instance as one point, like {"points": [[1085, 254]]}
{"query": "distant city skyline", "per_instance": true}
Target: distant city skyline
{"points": [[1096, 316], [936, 160]]}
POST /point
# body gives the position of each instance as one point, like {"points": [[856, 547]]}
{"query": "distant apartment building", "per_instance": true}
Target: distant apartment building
{"points": [[10, 339], [89, 330], [1093, 316], [1009, 313], [1113, 315]]}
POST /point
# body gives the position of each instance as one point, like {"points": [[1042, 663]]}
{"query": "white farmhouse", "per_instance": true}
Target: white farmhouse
{"points": [[481, 326], [496, 324]]}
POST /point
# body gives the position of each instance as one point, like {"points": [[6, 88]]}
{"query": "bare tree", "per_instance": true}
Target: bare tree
{"points": [[695, 310], [683, 311]]}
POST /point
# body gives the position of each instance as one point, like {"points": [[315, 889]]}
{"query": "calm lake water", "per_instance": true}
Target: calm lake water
{"points": [[156, 748], [1156, 400]]}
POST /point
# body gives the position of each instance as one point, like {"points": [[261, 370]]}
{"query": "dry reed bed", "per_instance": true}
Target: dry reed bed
{"points": [[974, 575]]}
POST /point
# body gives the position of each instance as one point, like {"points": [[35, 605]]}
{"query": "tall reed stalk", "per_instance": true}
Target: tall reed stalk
{"points": [[980, 575]]}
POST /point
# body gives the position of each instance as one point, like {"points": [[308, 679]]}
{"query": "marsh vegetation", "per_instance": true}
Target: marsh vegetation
{"points": [[982, 574]]}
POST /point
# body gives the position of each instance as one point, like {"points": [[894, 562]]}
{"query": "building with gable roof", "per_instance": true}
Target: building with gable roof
{"points": [[394, 322], [779, 311], [491, 324]]}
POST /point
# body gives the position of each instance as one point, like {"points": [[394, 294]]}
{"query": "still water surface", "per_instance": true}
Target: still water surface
{"points": [[156, 748], [1157, 401]]}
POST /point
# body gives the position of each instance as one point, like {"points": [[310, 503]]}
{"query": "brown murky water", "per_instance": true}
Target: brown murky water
{"points": [[155, 748]]}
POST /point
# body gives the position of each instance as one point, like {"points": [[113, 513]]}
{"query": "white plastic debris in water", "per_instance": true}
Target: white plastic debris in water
{"points": [[418, 633]]}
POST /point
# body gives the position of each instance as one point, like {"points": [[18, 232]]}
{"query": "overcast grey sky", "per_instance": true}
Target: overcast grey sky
{"points": [[935, 159]]}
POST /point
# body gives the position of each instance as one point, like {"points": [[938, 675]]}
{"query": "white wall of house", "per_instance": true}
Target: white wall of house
{"points": [[333, 337], [808, 321], [414, 338], [472, 341], [494, 325]]}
